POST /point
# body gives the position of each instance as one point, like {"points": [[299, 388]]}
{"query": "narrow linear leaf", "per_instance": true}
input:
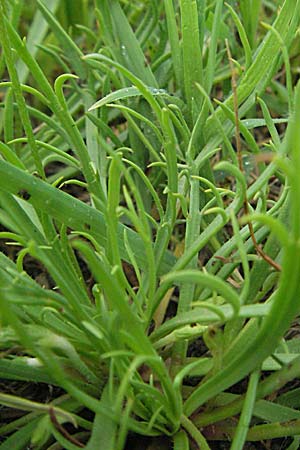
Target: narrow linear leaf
{"points": [[71, 49], [70, 211]]}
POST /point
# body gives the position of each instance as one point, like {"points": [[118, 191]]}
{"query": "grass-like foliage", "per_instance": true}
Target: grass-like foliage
{"points": [[150, 226]]}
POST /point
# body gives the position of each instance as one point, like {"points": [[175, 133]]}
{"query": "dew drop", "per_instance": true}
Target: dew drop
{"points": [[123, 50]]}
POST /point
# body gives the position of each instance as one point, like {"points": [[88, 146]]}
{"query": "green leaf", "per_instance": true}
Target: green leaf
{"points": [[20, 439], [36, 34], [192, 55], [127, 49], [123, 93], [104, 427], [72, 212], [17, 369], [72, 51], [284, 306]]}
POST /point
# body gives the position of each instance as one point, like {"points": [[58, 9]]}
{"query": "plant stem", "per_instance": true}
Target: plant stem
{"points": [[6, 44], [195, 434]]}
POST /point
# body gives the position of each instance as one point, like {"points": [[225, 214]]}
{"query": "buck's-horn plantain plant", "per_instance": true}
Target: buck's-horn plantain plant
{"points": [[149, 167]]}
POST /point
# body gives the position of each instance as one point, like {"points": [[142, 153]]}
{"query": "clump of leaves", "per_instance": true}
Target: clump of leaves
{"points": [[165, 222]]}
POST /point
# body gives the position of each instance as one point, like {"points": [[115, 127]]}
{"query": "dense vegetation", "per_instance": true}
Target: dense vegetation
{"points": [[150, 225]]}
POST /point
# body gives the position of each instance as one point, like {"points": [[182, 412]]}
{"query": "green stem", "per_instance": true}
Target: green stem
{"points": [[258, 433], [188, 289], [17, 89], [65, 119], [174, 42], [195, 434], [245, 418]]}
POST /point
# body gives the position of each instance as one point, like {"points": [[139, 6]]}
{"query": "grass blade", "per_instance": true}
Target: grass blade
{"points": [[71, 49], [70, 211]]}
